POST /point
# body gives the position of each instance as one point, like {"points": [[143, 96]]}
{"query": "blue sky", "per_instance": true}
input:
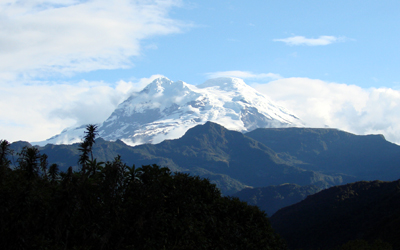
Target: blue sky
{"points": [[68, 62], [242, 35]]}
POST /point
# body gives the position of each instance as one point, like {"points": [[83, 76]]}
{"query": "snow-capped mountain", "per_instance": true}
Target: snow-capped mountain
{"points": [[166, 110]]}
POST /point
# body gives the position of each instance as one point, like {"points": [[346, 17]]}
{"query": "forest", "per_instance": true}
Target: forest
{"points": [[109, 205]]}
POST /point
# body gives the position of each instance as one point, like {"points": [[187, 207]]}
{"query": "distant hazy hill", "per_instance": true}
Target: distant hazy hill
{"points": [[361, 210], [272, 198]]}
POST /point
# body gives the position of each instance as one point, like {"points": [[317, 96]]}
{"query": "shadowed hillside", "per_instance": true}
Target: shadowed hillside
{"points": [[229, 158], [264, 157], [367, 157], [272, 198], [362, 210]]}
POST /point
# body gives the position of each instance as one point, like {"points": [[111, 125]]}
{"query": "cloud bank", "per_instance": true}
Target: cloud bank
{"points": [[346, 107], [40, 110], [301, 40], [41, 37]]}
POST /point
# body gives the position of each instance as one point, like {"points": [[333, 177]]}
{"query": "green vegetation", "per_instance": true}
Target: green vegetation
{"points": [[109, 205]]}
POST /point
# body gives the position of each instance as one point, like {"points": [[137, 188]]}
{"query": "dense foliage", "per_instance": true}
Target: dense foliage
{"points": [[109, 205]]}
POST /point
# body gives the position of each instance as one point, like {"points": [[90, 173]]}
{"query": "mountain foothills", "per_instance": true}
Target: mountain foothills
{"points": [[231, 158], [308, 159], [352, 216], [281, 170], [166, 110], [369, 157]]}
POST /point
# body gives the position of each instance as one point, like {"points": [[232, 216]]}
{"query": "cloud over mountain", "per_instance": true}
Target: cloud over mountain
{"points": [[165, 110], [54, 106], [347, 107]]}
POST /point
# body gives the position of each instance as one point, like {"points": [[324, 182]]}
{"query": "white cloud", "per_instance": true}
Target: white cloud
{"points": [[346, 107], [244, 75], [301, 40], [37, 111], [67, 36], [51, 37]]}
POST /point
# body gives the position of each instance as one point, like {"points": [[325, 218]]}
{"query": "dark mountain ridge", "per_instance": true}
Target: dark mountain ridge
{"points": [[216, 149], [275, 168], [366, 210], [368, 157], [264, 157], [231, 157]]}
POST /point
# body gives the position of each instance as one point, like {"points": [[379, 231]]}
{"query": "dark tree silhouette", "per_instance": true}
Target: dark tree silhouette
{"points": [[86, 146], [5, 151], [53, 172], [113, 206], [29, 161]]}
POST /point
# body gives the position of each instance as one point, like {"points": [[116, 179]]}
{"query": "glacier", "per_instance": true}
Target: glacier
{"points": [[165, 109]]}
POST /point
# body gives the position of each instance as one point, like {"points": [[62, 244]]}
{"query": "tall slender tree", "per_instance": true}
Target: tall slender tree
{"points": [[86, 146], [29, 161], [53, 172], [44, 163], [5, 151]]}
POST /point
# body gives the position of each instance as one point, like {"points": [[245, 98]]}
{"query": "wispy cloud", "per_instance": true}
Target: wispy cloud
{"points": [[244, 75], [301, 40], [347, 107], [67, 36]]}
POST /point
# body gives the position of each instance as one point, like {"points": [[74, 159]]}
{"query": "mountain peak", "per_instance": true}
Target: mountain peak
{"points": [[206, 128], [158, 85], [166, 109], [163, 85], [224, 83]]}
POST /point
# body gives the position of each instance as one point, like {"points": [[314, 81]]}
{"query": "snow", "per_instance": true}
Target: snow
{"points": [[166, 110], [67, 136]]}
